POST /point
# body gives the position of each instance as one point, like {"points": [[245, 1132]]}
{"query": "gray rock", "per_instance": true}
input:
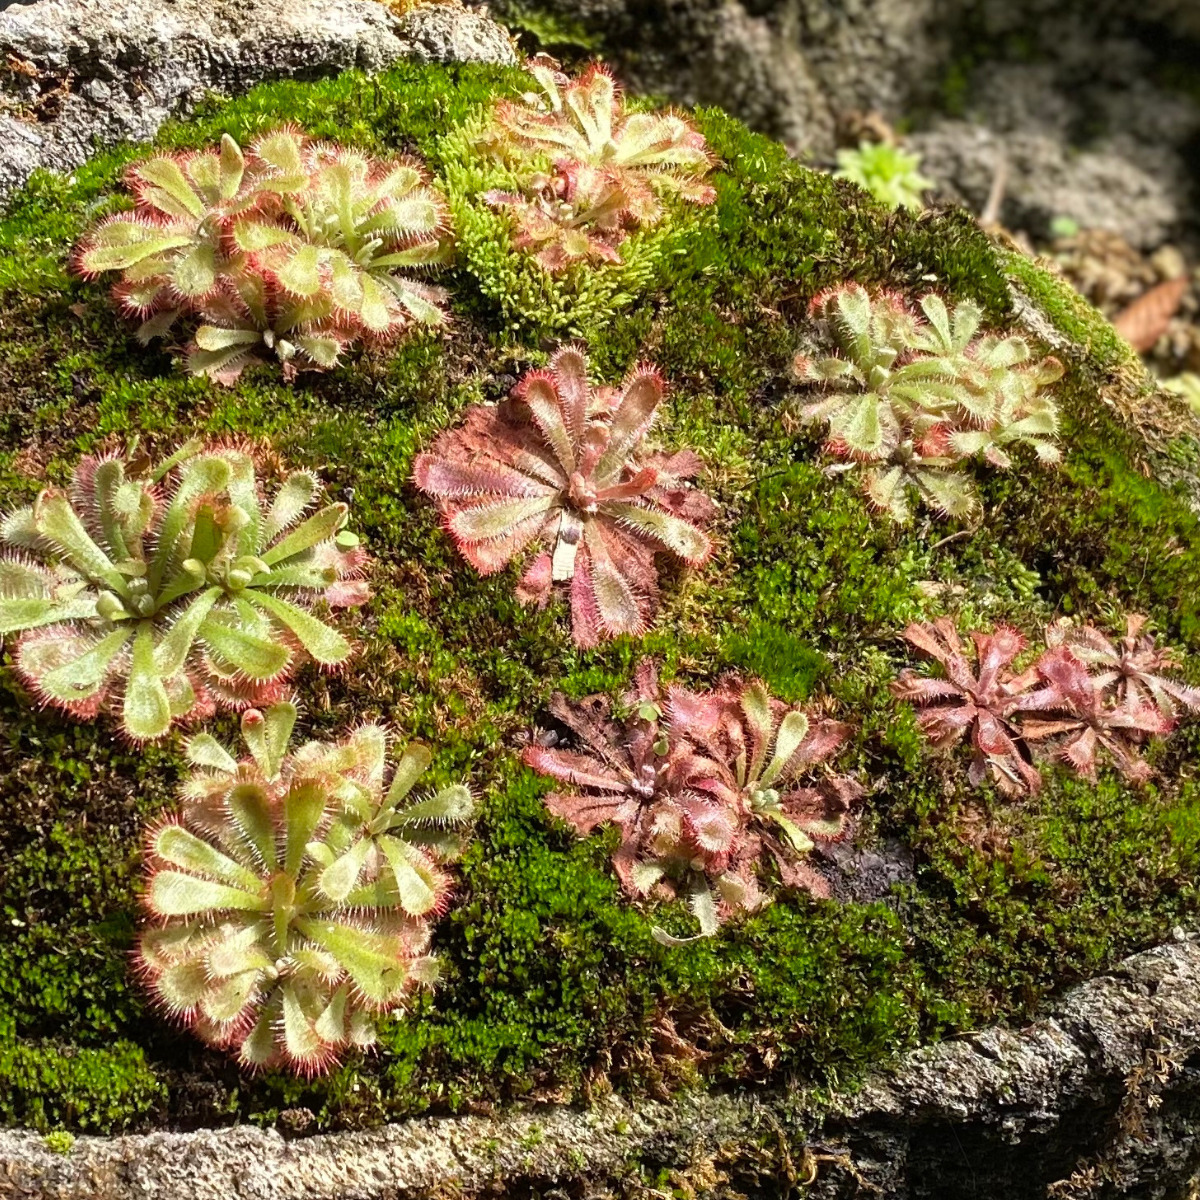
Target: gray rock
{"points": [[788, 68], [1103, 1087], [1000, 18], [83, 73], [1099, 188], [1088, 138], [1088, 133]]}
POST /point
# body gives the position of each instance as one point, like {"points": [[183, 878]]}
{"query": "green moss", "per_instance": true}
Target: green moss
{"points": [[101, 1090], [552, 978], [786, 663], [1070, 313]]}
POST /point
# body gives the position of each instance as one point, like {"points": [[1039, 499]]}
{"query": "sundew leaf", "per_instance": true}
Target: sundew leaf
{"points": [[704, 906], [320, 527], [223, 1000], [414, 761], [678, 535], [792, 731], [416, 887], [325, 645], [165, 173], [177, 894], [86, 668], [367, 958], [292, 500], [338, 879], [147, 707], [254, 656], [448, 806], [57, 522], [180, 848], [124, 243], [203, 750]]}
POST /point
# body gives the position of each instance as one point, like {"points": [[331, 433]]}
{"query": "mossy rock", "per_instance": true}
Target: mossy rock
{"points": [[553, 985]]}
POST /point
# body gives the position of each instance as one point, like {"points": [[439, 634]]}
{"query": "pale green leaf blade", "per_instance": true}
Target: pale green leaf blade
{"points": [[176, 894], [337, 880], [320, 527], [793, 729], [256, 657], [411, 874], [325, 644], [146, 712], [413, 763], [56, 521], [203, 750], [165, 173], [450, 805], [80, 677], [677, 535], [182, 848]]}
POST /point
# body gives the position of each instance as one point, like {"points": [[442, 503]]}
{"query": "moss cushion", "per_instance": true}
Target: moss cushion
{"points": [[958, 908]]}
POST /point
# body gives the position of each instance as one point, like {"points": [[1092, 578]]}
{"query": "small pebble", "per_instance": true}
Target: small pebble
{"points": [[1168, 262]]}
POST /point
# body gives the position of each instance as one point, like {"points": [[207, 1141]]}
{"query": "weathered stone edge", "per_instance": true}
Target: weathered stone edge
{"points": [[1016, 1087]]}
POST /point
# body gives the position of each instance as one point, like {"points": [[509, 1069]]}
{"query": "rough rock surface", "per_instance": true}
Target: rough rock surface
{"points": [[1105, 1087], [77, 73], [1084, 129], [788, 68], [1045, 181], [1133, 176]]}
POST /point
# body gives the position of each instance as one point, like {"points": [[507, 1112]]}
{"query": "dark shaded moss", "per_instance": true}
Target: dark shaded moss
{"points": [[552, 981]]}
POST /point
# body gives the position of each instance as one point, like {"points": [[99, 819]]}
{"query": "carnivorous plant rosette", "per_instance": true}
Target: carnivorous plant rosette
{"points": [[162, 592], [912, 398], [980, 703], [1084, 695], [714, 793], [292, 893], [562, 465], [608, 167], [293, 250]]}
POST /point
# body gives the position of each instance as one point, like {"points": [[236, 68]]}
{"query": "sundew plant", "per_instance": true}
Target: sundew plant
{"points": [[292, 893], [162, 592], [293, 251]]}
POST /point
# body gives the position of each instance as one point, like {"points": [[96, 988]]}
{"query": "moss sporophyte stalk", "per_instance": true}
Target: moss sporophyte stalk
{"points": [[665, 486]]}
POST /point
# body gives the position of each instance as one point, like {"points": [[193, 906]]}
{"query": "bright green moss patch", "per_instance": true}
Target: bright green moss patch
{"points": [[1070, 313], [92, 1090], [552, 983]]}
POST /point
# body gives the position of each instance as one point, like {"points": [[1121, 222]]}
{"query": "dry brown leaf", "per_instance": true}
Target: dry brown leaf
{"points": [[1144, 321]]}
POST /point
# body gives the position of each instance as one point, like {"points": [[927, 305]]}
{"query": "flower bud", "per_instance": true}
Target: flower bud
{"points": [[110, 607]]}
